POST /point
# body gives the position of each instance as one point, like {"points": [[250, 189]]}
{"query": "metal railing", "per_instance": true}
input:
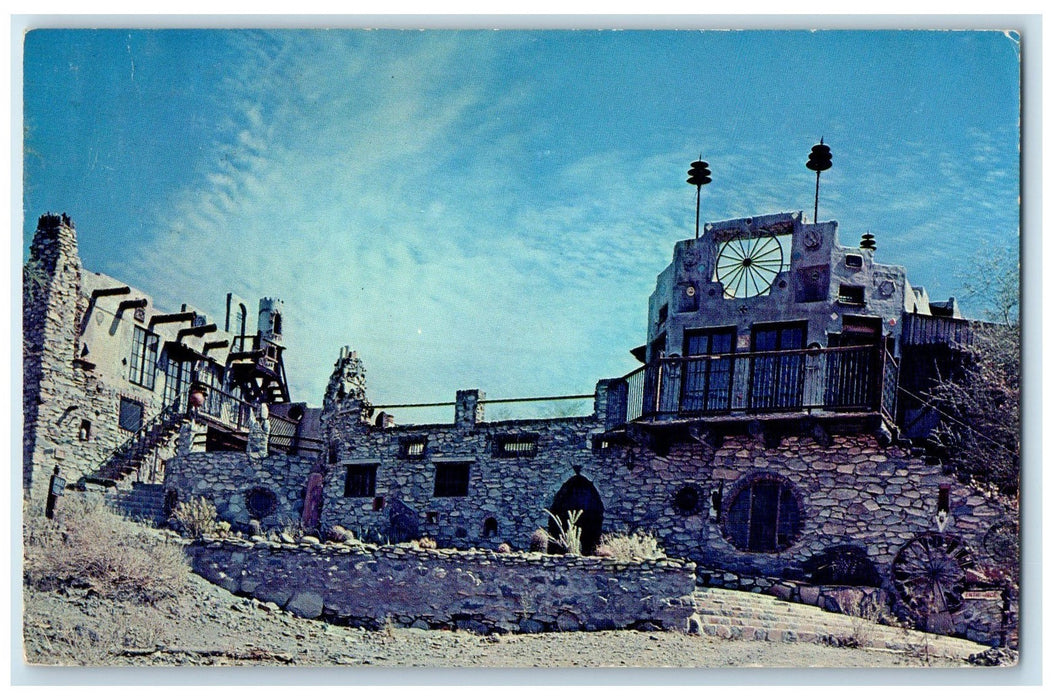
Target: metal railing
{"points": [[226, 408], [856, 378]]}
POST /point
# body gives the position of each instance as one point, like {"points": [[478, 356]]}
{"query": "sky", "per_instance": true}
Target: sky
{"points": [[489, 209]]}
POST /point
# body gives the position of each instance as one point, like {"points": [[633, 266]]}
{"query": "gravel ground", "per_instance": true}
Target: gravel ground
{"points": [[210, 627]]}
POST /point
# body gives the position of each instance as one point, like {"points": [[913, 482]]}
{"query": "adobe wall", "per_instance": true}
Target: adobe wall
{"points": [[226, 479], [475, 590]]}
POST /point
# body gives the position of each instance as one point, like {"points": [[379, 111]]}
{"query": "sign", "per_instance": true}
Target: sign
{"points": [[58, 485], [982, 595]]}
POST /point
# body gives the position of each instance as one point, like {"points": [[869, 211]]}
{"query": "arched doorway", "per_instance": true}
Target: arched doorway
{"points": [[577, 493]]}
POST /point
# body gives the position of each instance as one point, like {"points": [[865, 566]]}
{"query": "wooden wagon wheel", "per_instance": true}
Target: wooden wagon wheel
{"points": [[929, 574]]}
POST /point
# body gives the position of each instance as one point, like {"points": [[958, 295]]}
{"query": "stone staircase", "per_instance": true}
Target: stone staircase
{"points": [[127, 458], [731, 614], [145, 502]]}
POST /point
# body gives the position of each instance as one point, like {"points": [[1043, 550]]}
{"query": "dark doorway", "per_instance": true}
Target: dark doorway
{"points": [[577, 493]]}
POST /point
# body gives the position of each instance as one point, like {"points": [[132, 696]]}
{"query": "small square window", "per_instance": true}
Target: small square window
{"points": [[413, 447], [852, 260], [130, 417], [515, 446], [851, 294], [361, 481], [451, 480]]}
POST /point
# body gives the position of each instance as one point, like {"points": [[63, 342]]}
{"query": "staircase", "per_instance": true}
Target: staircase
{"points": [[133, 452], [144, 502], [731, 614]]}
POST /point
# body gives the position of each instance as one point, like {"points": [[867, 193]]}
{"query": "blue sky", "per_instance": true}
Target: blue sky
{"points": [[490, 209]]}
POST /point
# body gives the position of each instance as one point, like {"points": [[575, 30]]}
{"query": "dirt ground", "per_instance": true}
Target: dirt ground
{"points": [[208, 626]]}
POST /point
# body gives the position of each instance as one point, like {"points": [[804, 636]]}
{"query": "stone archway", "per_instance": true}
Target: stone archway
{"points": [[578, 493]]}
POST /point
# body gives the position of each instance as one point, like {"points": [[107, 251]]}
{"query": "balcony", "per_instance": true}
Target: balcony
{"points": [[838, 382]]}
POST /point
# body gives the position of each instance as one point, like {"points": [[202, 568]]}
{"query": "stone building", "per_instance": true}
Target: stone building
{"points": [[764, 436], [108, 378]]}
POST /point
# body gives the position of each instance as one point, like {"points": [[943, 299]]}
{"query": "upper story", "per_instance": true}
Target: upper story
{"points": [[750, 278]]}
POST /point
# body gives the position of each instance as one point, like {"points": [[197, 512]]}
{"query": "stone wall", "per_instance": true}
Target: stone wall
{"points": [[475, 590], [70, 409], [237, 483]]}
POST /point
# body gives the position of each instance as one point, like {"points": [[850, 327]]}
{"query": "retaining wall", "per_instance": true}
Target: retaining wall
{"points": [[477, 590]]}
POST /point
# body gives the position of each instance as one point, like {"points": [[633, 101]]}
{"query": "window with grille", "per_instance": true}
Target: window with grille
{"points": [[451, 479], [763, 515], [515, 446], [131, 415], [361, 481], [413, 447], [143, 362]]}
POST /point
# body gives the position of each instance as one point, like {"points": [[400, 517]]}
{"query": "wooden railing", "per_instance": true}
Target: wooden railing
{"points": [[857, 378]]}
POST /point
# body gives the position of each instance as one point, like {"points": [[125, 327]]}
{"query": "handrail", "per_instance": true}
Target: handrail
{"points": [[850, 378]]}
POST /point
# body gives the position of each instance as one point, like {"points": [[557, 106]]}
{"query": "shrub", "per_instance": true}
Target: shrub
{"points": [[539, 541], [195, 517], [570, 534], [424, 543], [624, 547], [504, 548], [90, 547]]}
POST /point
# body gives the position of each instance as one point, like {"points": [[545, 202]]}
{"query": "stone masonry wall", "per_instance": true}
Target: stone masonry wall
{"points": [[227, 479], [475, 590], [59, 393]]}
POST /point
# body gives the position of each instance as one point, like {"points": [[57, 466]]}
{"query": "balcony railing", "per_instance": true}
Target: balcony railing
{"points": [[846, 379]]}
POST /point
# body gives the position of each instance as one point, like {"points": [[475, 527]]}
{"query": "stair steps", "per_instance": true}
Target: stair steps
{"points": [[145, 502], [729, 614]]}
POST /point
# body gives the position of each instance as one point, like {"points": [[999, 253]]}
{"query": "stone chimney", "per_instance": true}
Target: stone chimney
{"points": [[468, 410]]}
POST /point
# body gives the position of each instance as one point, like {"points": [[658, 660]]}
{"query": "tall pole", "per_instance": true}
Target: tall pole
{"points": [[818, 160], [698, 175]]}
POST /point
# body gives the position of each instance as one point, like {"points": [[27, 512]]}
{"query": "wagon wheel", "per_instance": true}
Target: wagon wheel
{"points": [[747, 266], [929, 575], [1002, 542]]}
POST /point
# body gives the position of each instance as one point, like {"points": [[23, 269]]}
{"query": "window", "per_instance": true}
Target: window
{"points": [[851, 294], [853, 260], [143, 361], [261, 502], [708, 380], [777, 380], [451, 479], [211, 375], [663, 314], [515, 445], [130, 417], [361, 481], [84, 433], [413, 447], [177, 382], [763, 515], [490, 527]]}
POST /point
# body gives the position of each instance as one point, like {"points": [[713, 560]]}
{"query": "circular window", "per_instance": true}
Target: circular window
{"points": [[261, 502], [763, 515], [687, 500]]}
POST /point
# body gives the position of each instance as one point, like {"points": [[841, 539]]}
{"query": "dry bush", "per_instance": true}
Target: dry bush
{"points": [[90, 547], [570, 533], [504, 548], [539, 541], [195, 517], [625, 547], [424, 543]]}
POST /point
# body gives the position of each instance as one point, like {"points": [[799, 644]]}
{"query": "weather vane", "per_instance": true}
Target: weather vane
{"points": [[819, 160], [698, 175]]}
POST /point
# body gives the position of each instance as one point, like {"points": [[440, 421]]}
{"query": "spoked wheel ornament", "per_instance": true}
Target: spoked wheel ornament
{"points": [[747, 266], [929, 574]]}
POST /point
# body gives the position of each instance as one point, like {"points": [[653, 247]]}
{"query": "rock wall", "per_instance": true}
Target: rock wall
{"points": [[475, 590], [269, 489]]}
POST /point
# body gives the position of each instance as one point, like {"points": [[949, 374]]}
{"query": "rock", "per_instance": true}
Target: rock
{"points": [[694, 624], [529, 626], [305, 604]]}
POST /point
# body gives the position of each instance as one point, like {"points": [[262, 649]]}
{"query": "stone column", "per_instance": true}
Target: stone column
{"points": [[259, 433], [468, 411]]}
